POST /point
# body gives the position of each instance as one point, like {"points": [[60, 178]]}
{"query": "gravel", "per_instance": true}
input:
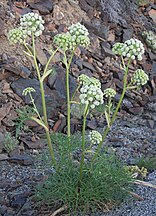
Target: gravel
{"points": [[147, 207]]}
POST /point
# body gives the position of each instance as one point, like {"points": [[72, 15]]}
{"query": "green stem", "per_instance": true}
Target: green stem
{"points": [[35, 59], [67, 64], [35, 108], [49, 60], [46, 123], [116, 111], [43, 104], [83, 144], [27, 48]]}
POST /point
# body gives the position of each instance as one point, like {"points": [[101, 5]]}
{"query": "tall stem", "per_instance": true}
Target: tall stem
{"points": [[43, 104], [116, 110], [67, 64], [83, 144]]}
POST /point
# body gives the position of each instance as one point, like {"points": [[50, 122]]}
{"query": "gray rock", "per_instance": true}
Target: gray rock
{"points": [[154, 67], [58, 82], [21, 159], [3, 157], [127, 34], [1, 141], [53, 98], [44, 7], [97, 28]]}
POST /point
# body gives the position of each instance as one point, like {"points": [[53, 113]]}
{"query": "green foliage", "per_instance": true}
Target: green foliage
{"points": [[9, 142], [148, 163], [24, 114], [142, 2], [107, 182]]}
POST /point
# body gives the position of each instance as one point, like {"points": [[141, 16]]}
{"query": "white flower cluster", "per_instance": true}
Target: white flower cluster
{"points": [[28, 90], [117, 48], [91, 92], [85, 80], [77, 35], [140, 77], [32, 24], [95, 137], [63, 41], [109, 92], [16, 36], [132, 48], [150, 39]]}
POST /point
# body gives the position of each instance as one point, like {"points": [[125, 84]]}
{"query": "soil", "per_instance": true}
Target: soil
{"points": [[133, 134]]}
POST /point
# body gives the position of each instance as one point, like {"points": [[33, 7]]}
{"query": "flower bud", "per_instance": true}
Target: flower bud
{"points": [[95, 137], [28, 90], [109, 92], [16, 36], [32, 23], [139, 78]]}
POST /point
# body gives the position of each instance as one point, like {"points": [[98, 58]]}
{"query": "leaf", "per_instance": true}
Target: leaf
{"points": [[107, 118], [46, 74], [39, 122]]}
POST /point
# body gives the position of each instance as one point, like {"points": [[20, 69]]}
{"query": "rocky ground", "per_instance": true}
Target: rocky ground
{"points": [[133, 134]]}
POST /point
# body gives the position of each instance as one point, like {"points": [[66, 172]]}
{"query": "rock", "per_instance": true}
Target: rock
{"points": [[17, 201], [25, 72], [136, 110], [151, 123], [97, 28], [154, 67], [127, 34], [18, 70], [8, 122], [58, 82], [152, 14], [57, 14], [127, 103], [38, 144], [41, 56], [4, 110], [88, 66], [3, 209], [2, 136], [53, 98], [3, 157], [107, 51], [21, 159], [92, 124], [44, 7], [84, 5]]}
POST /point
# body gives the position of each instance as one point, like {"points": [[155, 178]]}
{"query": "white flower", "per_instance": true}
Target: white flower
{"points": [[109, 92], [131, 48], [32, 23], [140, 77], [95, 137], [16, 35]]}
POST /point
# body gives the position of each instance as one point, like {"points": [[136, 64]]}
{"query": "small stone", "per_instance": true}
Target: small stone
{"points": [[127, 34], [154, 67], [89, 66], [18, 200], [136, 110], [151, 123], [57, 14], [25, 72], [21, 159], [92, 124], [3, 157], [107, 51], [152, 14], [44, 7]]}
